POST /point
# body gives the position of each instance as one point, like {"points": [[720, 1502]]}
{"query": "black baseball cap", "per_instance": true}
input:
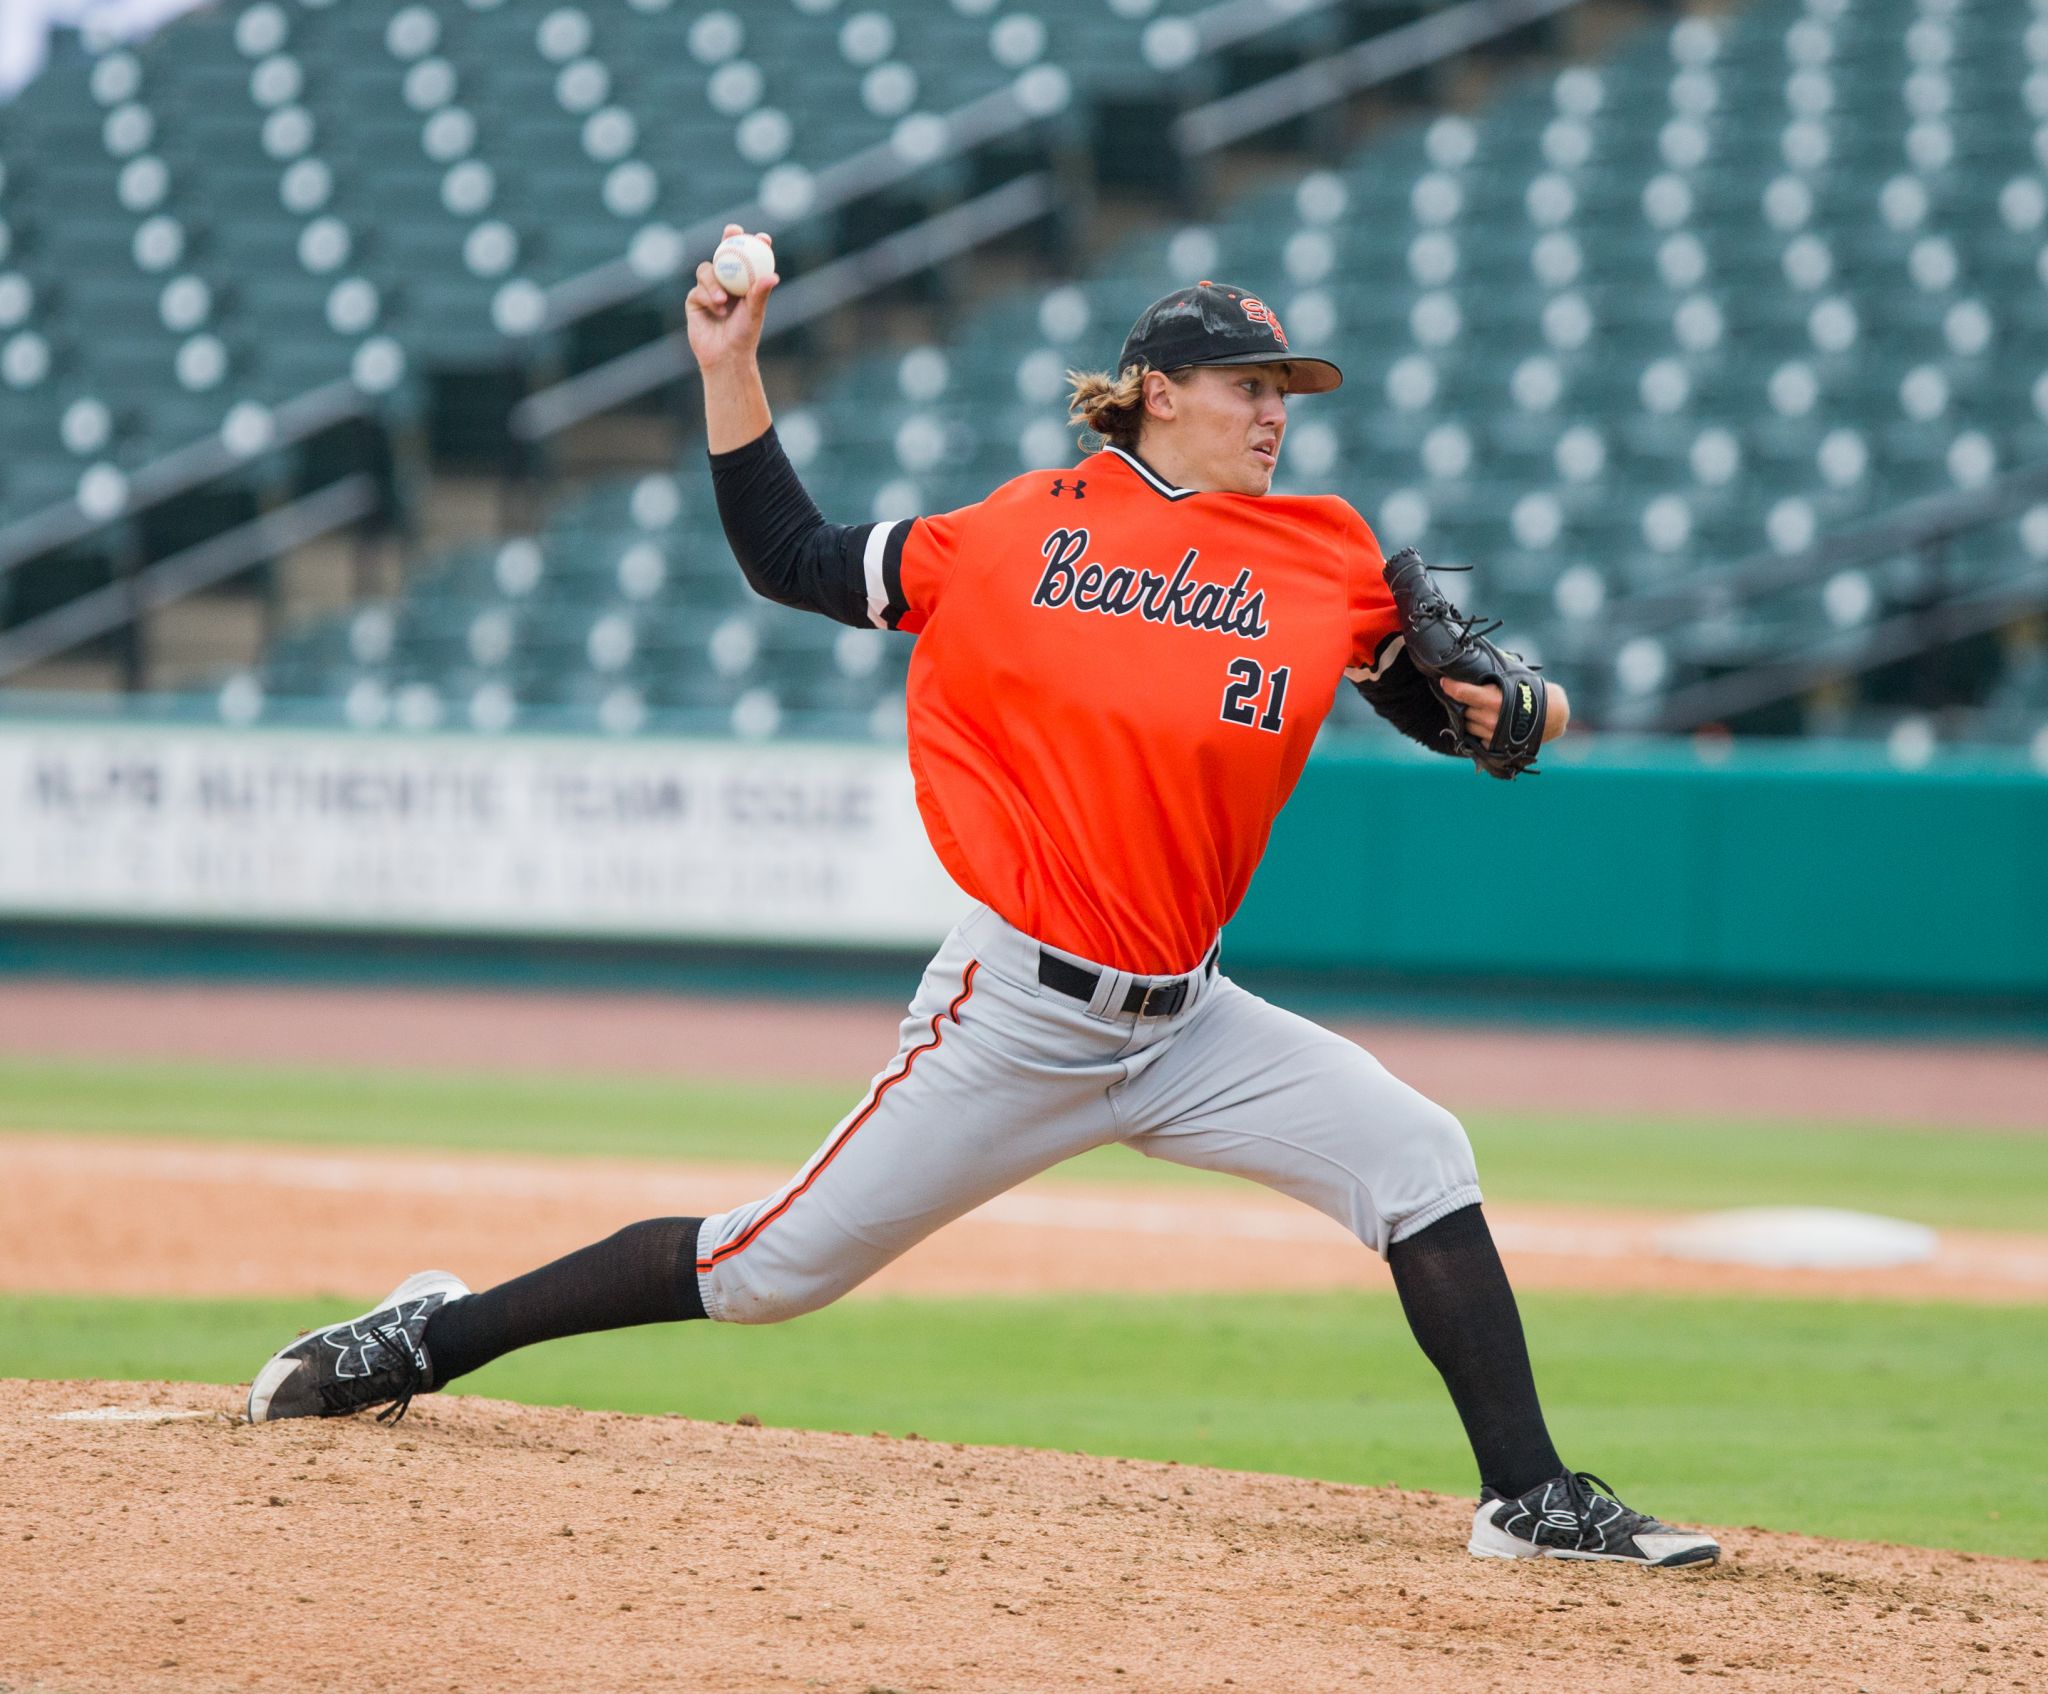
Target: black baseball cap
{"points": [[1213, 323]]}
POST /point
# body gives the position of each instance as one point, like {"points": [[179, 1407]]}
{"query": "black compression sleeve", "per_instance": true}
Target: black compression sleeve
{"points": [[1459, 1304], [1402, 696], [786, 549], [646, 1273]]}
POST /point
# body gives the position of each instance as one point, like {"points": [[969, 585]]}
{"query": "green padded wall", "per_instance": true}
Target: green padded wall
{"points": [[1781, 868]]}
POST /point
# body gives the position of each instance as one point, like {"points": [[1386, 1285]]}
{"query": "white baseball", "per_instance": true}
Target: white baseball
{"points": [[740, 262]]}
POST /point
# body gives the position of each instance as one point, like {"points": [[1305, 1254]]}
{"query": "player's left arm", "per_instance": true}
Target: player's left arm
{"points": [[1456, 713], [1401, 694]]}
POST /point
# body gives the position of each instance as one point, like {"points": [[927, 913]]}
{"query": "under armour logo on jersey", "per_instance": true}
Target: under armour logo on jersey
{"points": [[1079, 489]]}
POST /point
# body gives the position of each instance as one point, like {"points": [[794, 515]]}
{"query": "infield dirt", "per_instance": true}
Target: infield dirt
{"points": [[79, 1216], [481, 1546]]}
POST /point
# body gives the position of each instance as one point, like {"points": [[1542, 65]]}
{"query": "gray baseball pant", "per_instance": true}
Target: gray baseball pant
{"points": [[998, 1077]]}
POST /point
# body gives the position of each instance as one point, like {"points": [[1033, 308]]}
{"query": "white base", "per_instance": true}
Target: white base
{"points": [[1799, 1238]]}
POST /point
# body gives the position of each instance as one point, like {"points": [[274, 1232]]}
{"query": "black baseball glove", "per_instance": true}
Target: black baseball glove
{"points": [[1442, 642]]}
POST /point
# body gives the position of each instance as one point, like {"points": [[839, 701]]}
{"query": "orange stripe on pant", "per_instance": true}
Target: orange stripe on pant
{"points": [[950, 1014]]}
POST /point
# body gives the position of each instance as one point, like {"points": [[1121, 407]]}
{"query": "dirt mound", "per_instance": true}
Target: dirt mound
{"points": [[486, 1546]]}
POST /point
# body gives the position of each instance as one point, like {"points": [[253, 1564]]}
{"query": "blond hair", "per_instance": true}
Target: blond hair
{"points": [[1112, 408]]}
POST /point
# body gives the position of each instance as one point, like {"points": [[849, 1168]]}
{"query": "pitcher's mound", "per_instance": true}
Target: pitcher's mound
{"points": [[493, 1547]]}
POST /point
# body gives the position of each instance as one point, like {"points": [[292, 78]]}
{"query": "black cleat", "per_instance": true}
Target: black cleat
{"points": [[377, 1359], [1576, 1516]]}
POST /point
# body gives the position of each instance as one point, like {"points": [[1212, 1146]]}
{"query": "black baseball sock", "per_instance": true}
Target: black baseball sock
{"points": [[647, 1273], [1455, 1291]]}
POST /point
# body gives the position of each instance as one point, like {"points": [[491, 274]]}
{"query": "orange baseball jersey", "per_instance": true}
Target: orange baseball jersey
{"points": [[1115, 685]]}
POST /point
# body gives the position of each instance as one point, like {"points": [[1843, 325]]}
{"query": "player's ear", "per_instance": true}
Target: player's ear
{"points": [[1158, 395]]}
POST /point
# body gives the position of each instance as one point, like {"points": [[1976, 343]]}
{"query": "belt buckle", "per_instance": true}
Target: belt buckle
{"points": [[1168, 993]]}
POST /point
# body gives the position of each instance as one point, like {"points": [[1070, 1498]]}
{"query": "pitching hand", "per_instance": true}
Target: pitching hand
{"points": [[723, 326]]}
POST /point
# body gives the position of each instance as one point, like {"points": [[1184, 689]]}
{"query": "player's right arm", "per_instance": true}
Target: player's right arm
{"points": [[853, 573]]}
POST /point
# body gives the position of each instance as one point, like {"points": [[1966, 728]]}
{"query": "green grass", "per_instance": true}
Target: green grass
{"points": [[614, 1116], [1889, 1422], [1950, 1177]]}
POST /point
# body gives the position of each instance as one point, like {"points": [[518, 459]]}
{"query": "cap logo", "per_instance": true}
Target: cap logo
{"points": [[1260, 313]]}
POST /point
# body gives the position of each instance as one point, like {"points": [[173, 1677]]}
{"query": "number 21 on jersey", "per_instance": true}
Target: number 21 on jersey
{"points": [[1241, 696]]}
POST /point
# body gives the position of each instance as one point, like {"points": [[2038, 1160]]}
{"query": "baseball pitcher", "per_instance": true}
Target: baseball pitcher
{"points": [[1119, 670]]}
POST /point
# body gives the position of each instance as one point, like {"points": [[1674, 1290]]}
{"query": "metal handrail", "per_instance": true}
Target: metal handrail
{"points": [[180, 471], [1851, 652], [1040, 92], [1337, 76], [200, 566], [1225, 25], [874, 168], [1922, 526], [1905, 529], [658, 363]]}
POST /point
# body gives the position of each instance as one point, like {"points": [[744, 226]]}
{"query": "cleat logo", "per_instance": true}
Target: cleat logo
{"points": [[359, 1354], [352, 1350]]}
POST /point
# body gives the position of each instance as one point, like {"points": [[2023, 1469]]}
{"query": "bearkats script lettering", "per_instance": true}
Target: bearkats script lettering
{"points": [[1119, 591]]}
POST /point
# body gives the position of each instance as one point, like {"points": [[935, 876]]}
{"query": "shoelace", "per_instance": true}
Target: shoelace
{"points": [[1443, 610], [1468, 629], [393, 1342], [1583, 1488]]}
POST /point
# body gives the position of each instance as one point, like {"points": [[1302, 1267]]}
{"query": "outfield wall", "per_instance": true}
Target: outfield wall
{"points": [[1694, 872], [1805, 865]]}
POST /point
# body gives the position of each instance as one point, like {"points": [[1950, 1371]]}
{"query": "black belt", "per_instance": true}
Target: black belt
{"points": [[1145, 999]]}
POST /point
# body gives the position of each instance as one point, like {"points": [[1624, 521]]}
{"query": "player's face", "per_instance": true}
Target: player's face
{"points": [[1224, 429]]}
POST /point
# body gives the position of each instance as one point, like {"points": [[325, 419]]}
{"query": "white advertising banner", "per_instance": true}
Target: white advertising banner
{"points": [[527, 836]]}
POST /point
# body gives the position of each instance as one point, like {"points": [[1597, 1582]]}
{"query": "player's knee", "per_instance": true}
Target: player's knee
{"points": [[1432, 1172], [776, 1299], [1446, 1146], [1418, 1144], [769, 1305], [1432, 1158]]}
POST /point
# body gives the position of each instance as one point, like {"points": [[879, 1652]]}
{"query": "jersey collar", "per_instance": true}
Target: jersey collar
{"points": [[1152, 479]]}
